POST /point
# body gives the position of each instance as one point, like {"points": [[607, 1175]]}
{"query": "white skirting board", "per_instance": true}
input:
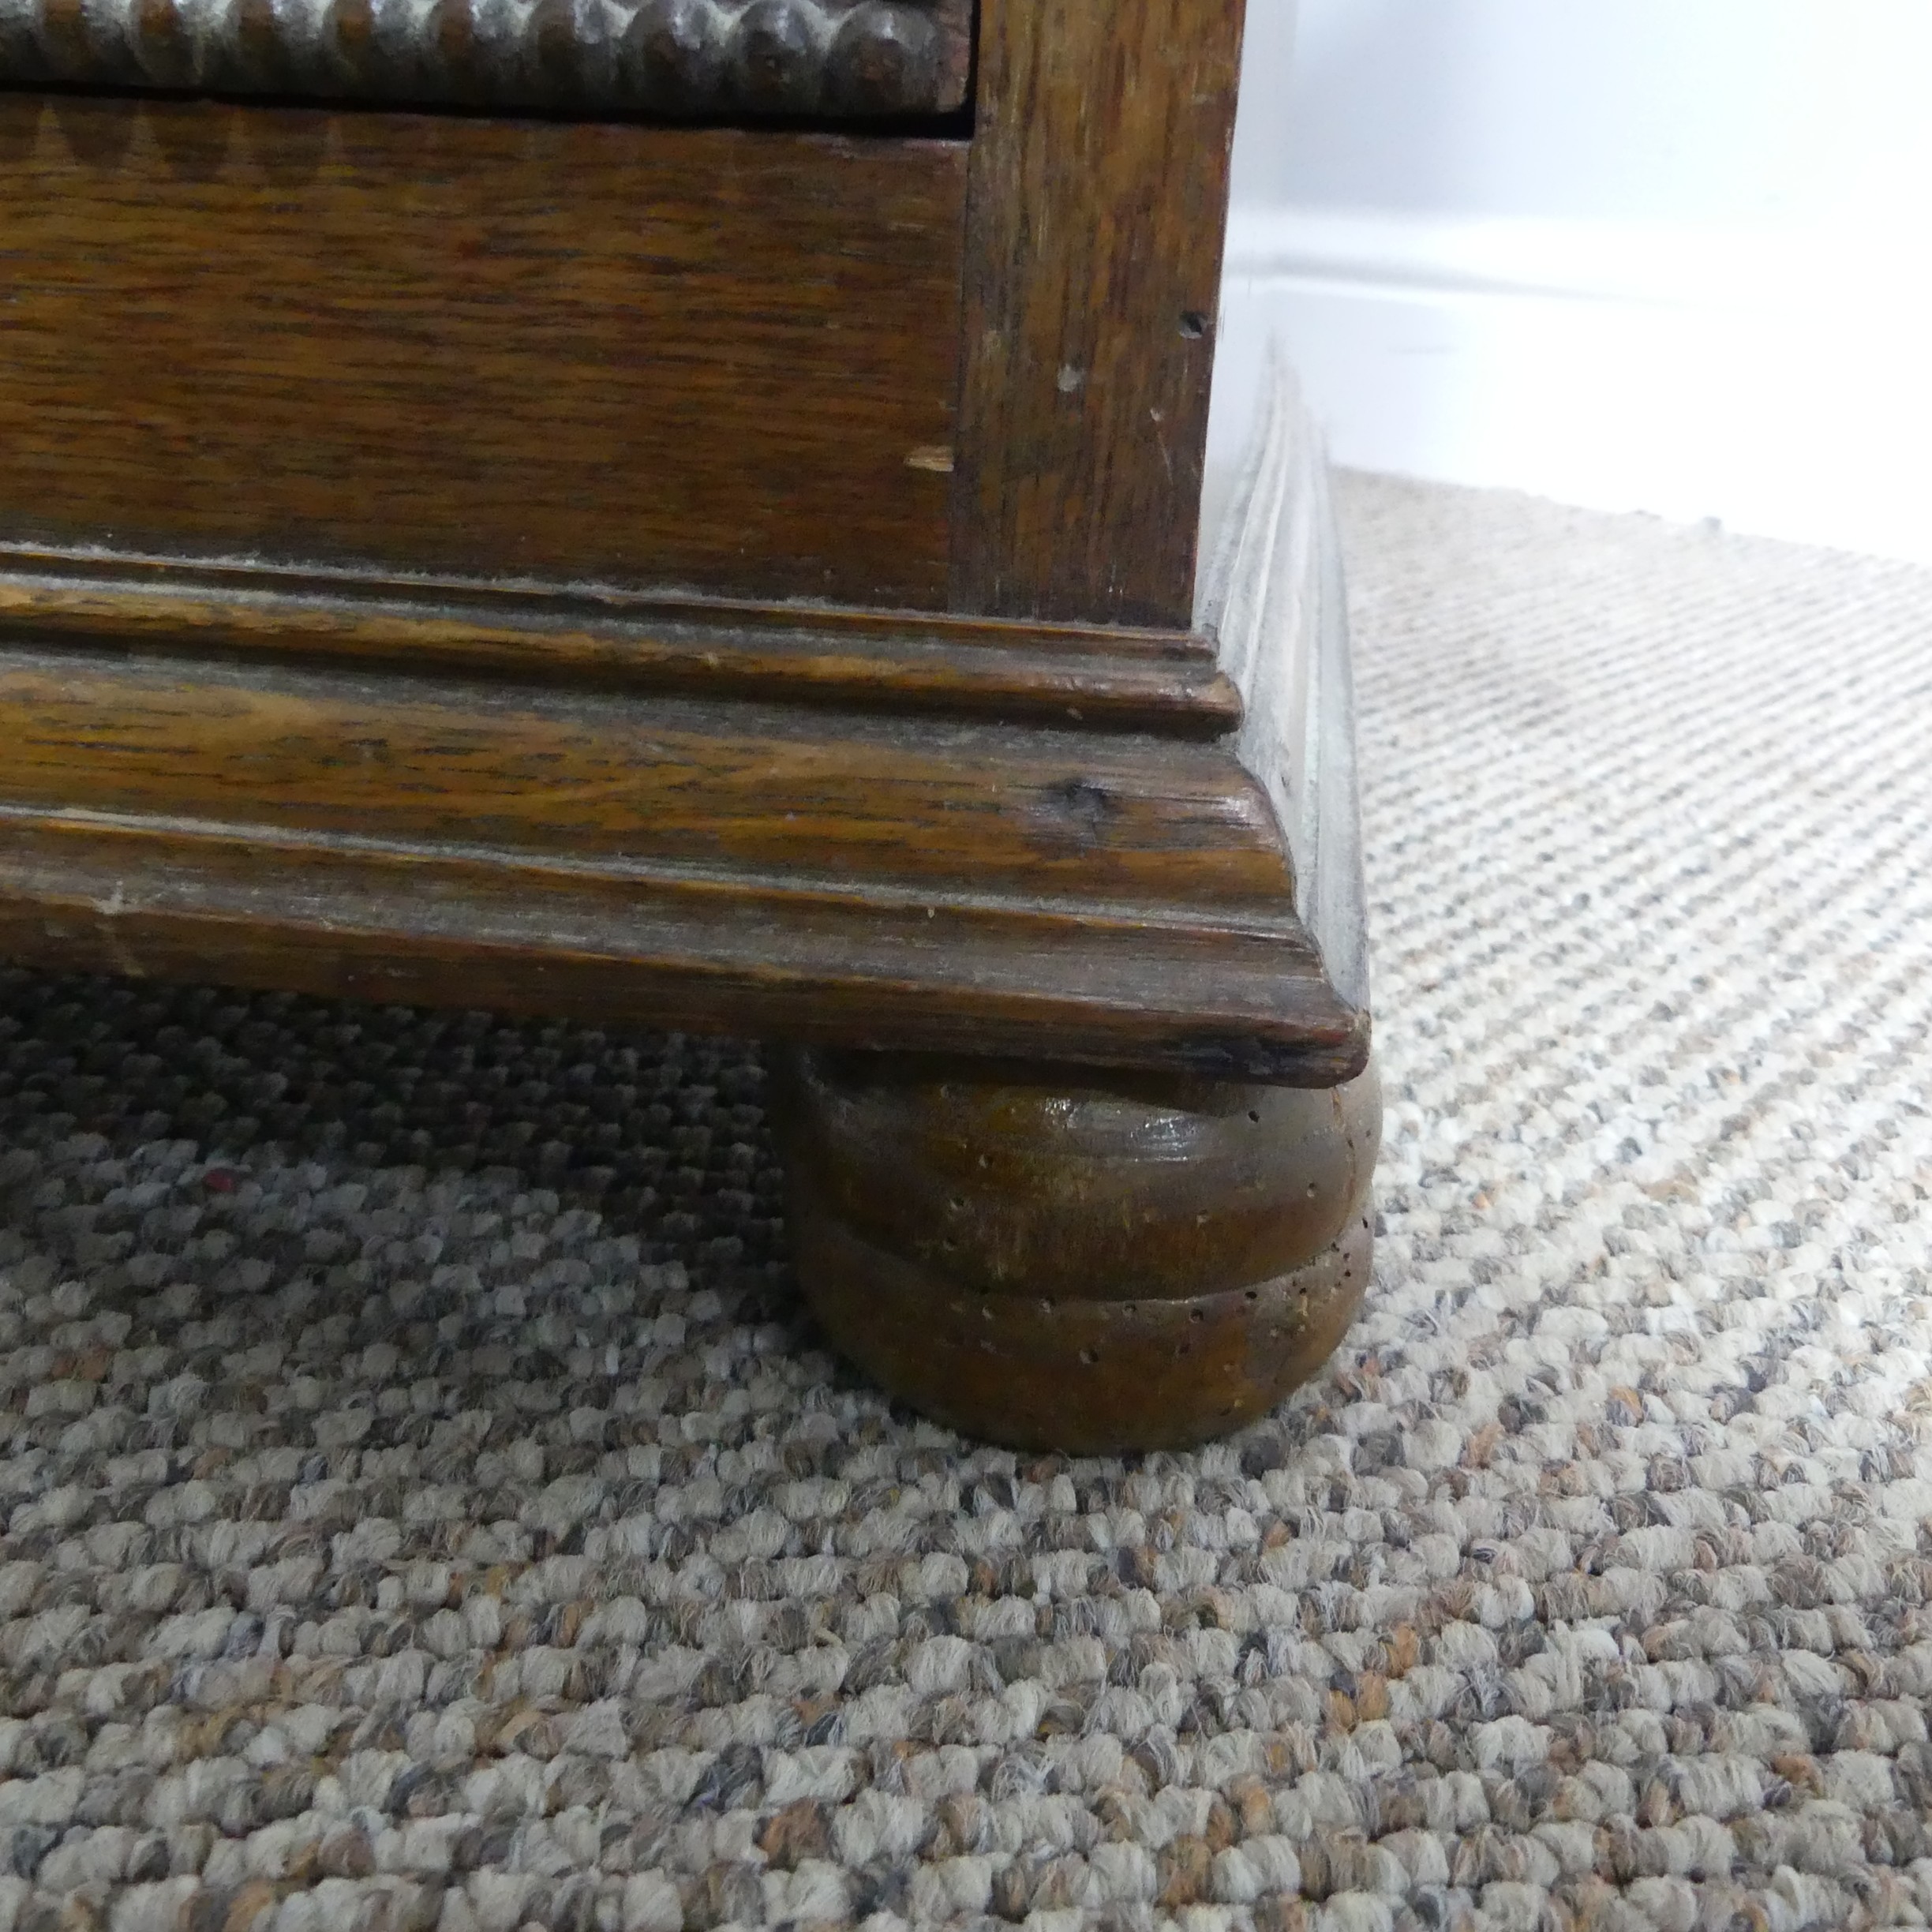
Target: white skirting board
{"points": [[1779, 384]]}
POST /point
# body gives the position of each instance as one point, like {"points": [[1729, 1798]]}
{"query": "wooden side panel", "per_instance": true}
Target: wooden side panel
{"points": [[638, 355], [1278, 601], [1097, 212]]}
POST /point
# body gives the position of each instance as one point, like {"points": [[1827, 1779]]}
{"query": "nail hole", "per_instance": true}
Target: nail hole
{"points": [[1193, 325], [957, 1204], [1312, 1190], [1089, 1356], [1195, 1315], [1254, 1114], [1185, 1348], [1254, 1294]]}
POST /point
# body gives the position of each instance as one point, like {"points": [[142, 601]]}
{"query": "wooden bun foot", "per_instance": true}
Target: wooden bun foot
{"points": [[1071, 1259]]}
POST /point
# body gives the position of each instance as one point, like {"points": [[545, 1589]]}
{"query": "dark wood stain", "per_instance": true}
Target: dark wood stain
{"points": [[607, 780], [1093, 265], [1097, 677], [728, 579], [708, 950], [1064, 1260], [709, 357]]}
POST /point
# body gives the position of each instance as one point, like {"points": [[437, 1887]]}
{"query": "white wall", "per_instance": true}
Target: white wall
{"points": [[1670, 255]]}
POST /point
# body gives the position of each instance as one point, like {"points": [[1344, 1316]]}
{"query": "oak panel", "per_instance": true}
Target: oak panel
{"points": [[639, 355]]}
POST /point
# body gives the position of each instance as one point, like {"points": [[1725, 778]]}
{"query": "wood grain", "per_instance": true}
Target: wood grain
{"points": [[1057, 1259], [577, 352], [1100, 677], [709, 951], [896, 877], [611, 782], [1097, 207]]}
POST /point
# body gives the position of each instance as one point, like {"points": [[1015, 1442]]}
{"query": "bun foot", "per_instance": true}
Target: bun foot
{"points": [[1065, 1259]]}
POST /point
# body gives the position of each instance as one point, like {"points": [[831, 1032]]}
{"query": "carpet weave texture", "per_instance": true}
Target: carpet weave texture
{"points": [[424, 1505]]}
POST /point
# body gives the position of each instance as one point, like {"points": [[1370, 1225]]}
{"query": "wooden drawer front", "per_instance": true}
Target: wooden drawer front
{"points": [[547, 350], [832, 59]]}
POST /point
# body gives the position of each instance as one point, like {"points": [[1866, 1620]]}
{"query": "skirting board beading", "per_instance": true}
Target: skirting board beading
{"points": [[683, 59]]}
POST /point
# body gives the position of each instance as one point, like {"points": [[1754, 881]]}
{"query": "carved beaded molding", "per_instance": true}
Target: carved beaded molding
{"points": [[681, 58]]}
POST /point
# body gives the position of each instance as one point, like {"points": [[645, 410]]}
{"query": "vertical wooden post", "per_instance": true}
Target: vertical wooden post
{"points": [[1096, 207]]}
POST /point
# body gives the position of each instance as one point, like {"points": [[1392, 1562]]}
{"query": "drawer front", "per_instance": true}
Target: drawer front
{"points": [[571, 351], [821, 59]]}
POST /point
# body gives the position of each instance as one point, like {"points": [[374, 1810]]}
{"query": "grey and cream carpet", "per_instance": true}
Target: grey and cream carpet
{"points": [[424, 1506]]}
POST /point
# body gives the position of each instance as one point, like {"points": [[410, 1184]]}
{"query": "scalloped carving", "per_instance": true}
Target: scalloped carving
{"points": [[682, 59]]}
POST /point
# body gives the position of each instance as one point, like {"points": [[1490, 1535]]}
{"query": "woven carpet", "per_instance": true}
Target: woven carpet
{"points": [[424, 1505]]}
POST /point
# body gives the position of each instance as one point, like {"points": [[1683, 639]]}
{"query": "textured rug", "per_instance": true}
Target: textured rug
{"points": [[424, 1506]]}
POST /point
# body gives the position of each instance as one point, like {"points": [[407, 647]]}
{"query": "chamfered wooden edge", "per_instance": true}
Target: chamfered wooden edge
{"points": [[1097, 199], [1273, 597], [1104, 677], [608, 784], [891, 879], [1058, 1260], [760, 957]]}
